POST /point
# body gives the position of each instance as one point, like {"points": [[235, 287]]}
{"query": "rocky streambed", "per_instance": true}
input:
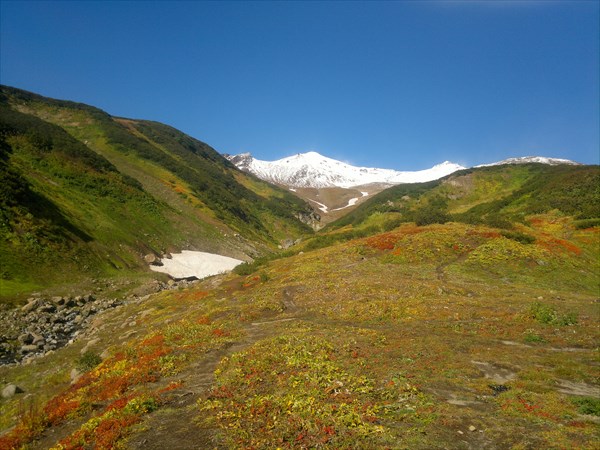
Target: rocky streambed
{"points": [[45, 324]]}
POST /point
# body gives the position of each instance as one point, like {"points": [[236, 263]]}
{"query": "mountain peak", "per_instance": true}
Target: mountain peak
{"points": [[311, 169], [532, 159]]}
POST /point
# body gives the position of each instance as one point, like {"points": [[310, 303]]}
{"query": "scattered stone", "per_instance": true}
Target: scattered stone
{"points": [[153, 259], [498, 388], [46, 324], [26, 338], [47, 308], [28, 348], [31, 306], [146, 312], [472, 428], [11, 390], [75, 375]]}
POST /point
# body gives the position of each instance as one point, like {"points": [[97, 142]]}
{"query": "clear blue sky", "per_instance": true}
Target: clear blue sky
{"points": [[401, 85]]}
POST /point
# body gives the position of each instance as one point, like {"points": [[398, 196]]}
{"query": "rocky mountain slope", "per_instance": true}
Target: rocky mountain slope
{"points": [[84, 195]]}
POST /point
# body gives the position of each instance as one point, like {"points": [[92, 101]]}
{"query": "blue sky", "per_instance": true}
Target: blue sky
{"points": [[401, 85]]}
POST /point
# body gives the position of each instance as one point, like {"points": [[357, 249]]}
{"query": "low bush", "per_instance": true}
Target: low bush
{"points": [[547, 315], [88, 361]]}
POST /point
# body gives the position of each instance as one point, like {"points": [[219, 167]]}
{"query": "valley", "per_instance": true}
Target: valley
{"points": [[459, 312]]}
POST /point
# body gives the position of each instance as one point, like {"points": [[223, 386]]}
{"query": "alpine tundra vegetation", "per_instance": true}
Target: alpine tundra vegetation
{"points": [[455, 313]]}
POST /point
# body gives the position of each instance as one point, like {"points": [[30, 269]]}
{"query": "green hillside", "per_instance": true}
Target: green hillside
{"points": [[84, 194], [497, 196]]}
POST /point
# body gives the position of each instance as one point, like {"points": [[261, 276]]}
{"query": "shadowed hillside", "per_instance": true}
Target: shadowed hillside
{"points": [[88, 195]]}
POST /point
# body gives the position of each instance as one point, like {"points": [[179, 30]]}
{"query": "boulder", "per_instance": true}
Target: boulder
{"points": [[26, 338], [58, 300], [28, 348], [151, 258], [10, 390], [75, 375], [31, 305], [47, 307]]}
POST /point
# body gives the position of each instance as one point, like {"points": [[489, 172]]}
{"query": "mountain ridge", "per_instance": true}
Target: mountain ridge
{"points": [[313, 170]]}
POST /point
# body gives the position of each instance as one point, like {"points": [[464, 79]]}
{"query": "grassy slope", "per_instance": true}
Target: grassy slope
{"points": [[493, 195], [399, 340], [179, 193]]}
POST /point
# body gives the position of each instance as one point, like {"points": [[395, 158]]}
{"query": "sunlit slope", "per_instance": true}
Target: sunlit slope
{"points": [[441, 336], [499, 196], [86, 194]]}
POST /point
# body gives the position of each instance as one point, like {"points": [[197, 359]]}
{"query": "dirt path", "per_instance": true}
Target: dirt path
{"points": [[173, 426]]}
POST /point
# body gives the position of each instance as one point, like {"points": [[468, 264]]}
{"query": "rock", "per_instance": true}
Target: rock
{"points": [[70, 303], [152, 259], [90, 343], [47, 307], [10, 390], [58, 300], [28, 348], [472, 428], [75, 375], [32, 305], [287, 243], [26, 338], [146, 312]]}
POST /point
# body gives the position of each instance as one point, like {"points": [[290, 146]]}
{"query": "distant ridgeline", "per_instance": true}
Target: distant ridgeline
{"points": [[497, 196], [84, 194]]}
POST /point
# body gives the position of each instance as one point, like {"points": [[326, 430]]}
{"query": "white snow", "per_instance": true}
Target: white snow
{"points": [[196, 264], [314, 170], [531, 159], [322, 207], [351, 202]]}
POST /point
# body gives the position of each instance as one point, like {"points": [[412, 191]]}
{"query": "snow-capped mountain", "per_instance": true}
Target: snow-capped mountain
{"points": [[532, 159], [312, 170]]}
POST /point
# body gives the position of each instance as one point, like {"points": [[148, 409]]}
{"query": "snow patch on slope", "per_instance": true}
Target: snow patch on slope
{"points": [[196, 264]]}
